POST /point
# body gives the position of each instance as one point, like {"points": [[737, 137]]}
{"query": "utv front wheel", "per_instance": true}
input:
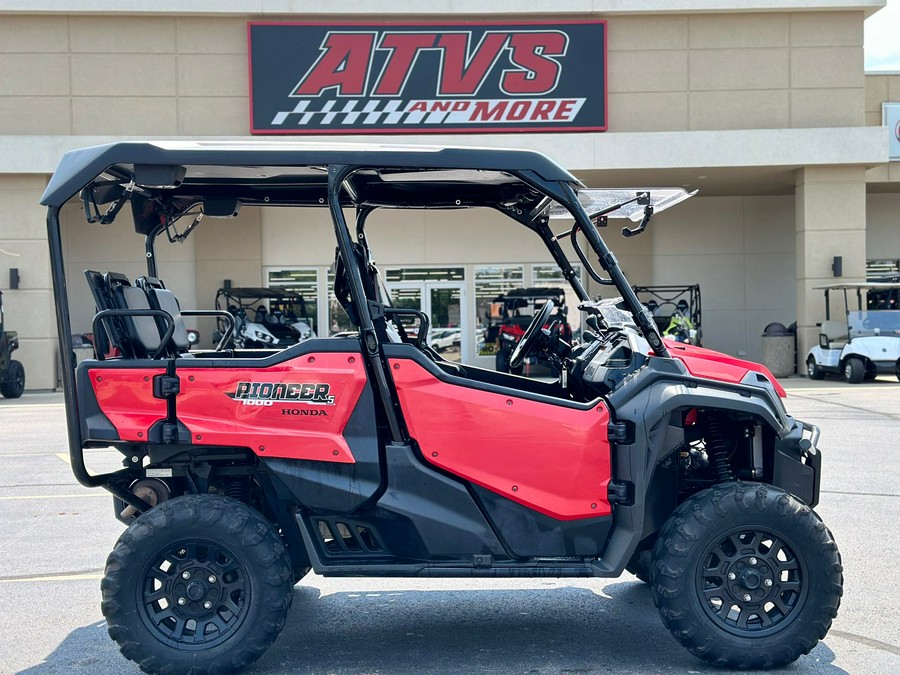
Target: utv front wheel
{"points": [[746, 576], [199, 584], [14, 386]]}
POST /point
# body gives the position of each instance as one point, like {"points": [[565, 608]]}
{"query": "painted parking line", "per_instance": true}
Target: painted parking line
{"points": [[17, 455], [72, 496], [867, 641], [81, 576]]}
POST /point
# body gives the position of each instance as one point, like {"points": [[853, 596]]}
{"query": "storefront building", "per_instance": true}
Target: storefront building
{"points": [[767, 111]]}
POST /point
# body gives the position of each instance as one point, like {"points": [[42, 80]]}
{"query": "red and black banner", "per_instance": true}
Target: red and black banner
{"points": [[352, 78]]}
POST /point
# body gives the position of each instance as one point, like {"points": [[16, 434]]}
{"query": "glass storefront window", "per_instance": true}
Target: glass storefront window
{"points": [[491, 282], [338, 321], [303, 282]]}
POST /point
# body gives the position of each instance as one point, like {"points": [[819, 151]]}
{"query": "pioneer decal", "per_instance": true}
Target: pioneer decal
{"points": [[268, 393], [427, 78]]}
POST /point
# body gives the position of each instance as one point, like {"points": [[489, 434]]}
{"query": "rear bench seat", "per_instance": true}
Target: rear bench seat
{"points": [[137, 337]]}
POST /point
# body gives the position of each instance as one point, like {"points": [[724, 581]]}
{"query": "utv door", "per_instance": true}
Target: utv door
{"points": [[539, 465]]}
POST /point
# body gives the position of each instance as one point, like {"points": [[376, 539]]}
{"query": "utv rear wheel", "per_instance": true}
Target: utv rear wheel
{"points": [[854, 370], [14, 386], [199, 584], [746, 576], [639, 565], [813, 370]]}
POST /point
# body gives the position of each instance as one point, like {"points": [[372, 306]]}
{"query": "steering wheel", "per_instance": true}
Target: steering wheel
{"points": [[529, 340]]}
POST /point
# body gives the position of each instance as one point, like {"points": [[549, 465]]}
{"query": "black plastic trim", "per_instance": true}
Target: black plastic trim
{"points": [[331, 486], [529, 534]]}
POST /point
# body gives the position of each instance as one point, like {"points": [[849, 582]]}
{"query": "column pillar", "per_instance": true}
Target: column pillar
{"points": [[830, 221]]}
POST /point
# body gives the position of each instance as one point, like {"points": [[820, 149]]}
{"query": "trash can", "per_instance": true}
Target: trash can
{"points": [[778, 349]]}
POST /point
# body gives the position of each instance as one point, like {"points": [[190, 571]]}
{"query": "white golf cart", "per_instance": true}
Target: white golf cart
{"points": [[867, 343]]}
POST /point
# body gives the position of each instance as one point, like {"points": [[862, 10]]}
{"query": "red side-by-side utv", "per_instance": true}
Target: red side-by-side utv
{"points": [[371, 455]]}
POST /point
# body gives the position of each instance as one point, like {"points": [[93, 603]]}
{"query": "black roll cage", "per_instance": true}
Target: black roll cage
{"points": [[341, 192]]}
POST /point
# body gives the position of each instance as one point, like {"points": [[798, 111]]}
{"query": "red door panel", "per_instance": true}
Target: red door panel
{"points": [[552, 459], [125, 395], [297, 409]]}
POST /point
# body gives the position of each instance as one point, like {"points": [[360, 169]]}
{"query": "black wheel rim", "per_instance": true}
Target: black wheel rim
{"points": [[194, 594], [751, 582]]}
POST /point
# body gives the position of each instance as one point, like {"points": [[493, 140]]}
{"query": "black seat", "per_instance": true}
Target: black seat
{"points": [[142, 331], [161, 298], [135, 337]]}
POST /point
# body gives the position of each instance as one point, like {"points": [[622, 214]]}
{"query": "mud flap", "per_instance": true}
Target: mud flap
{"points": [[798, 471]]}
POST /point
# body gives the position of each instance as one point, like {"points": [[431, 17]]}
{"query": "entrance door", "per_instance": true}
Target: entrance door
{"points": [[444, 303]]}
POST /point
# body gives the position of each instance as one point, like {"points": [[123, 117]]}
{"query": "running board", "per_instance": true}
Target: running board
{"points": [[354, 550], [520, 570]]}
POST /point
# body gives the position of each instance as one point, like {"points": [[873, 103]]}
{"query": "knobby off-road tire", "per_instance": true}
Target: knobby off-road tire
{"points": [[787, 581], [639, 565], [14, 386], [200, 584], [299, 572]]}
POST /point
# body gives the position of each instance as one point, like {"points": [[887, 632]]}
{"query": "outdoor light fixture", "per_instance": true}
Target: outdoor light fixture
{"points": [[837, 266], [13, 278]]}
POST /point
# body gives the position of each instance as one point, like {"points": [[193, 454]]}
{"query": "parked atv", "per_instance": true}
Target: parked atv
{"points": [[12, 372], [371, 455], [867, 342], [282, 324], [512, 313]]}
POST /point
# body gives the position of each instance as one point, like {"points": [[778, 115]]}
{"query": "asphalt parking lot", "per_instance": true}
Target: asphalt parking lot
{"points": [[57, 536]]}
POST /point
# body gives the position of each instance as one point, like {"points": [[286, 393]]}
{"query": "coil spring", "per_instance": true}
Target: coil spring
{"points": [[716, 448], [238, 489]]}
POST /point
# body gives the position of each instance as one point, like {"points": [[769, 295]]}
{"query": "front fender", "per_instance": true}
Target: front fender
{"points": [[797, 462]]}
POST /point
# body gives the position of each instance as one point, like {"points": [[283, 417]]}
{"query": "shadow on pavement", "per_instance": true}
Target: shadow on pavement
{"points": [[555, 630]]}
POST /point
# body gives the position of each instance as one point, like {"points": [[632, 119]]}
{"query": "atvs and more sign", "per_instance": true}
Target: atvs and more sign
{"points": [[427, 78]]}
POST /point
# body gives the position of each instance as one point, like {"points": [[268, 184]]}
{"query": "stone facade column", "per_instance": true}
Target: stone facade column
{"points": [[830, 221]]}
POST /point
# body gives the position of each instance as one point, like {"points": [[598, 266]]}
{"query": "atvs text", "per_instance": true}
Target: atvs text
{"points": [[371, 455]]}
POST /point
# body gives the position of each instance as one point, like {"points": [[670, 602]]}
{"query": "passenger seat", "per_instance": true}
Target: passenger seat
{"points": [[161, 298], [142, 331]]}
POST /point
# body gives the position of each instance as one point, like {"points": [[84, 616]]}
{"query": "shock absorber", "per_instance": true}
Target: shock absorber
{"points": [[238, 489], [716, 447]]}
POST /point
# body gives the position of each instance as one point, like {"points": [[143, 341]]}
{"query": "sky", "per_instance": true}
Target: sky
{"points": [[882, 39]]}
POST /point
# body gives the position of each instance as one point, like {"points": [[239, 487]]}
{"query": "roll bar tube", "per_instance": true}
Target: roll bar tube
{"points": [[610, 264], [67, 362], [336, 177]]}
